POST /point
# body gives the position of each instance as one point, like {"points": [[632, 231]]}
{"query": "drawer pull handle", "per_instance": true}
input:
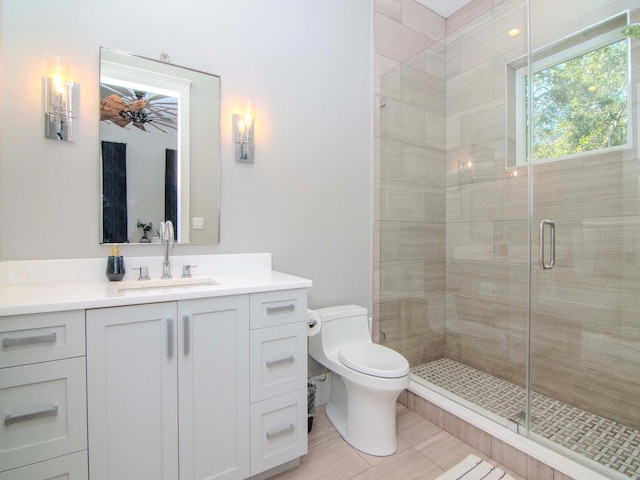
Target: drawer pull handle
{"points": [[50, 412], [278, 361], [186, 345], [280, 431], [21, 341], [281, 308]]}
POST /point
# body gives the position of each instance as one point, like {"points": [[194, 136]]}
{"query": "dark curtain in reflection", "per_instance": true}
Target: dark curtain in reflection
{"points": [[114, 192], [171, 188]]}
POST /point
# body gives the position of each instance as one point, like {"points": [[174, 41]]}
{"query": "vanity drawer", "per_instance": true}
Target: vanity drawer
{"points": [[44, 411], [68, 467], [278, 430], [278, 308], [41, 337], [278, 360]]}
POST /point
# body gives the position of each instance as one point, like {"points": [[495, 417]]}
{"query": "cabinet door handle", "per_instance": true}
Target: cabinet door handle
{"points": [[280, 431], [281, 308], [185, 334], [35, 339], [49, 412], [169, 337], [278, 361]]}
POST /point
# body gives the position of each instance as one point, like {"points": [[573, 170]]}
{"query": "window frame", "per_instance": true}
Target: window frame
{"points": [[564, 55]]}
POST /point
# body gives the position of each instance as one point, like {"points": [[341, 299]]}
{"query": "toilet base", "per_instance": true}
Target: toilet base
{"points": [[364, 417]]}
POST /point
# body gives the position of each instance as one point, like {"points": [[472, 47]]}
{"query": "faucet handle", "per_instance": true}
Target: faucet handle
{"points": [[144, 272], [186, 270]]}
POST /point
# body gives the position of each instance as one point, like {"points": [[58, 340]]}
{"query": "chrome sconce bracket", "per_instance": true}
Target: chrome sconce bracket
{"points": [[60, 121]]}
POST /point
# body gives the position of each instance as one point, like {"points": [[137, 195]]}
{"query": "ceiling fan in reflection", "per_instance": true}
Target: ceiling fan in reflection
{"points": [[123, 106]]}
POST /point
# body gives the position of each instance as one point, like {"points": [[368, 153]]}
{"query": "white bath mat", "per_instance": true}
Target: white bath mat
{"points": [[474, 468]]}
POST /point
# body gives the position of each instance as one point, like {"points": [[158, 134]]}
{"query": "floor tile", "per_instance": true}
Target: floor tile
{"points": [[406, 465], [333, 459], [445, 450]]}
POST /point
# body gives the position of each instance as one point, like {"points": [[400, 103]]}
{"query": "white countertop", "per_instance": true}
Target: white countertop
{"points": [[56, 285]]}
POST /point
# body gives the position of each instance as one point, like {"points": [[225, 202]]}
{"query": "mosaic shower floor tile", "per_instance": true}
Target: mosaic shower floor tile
{"points": [[605, 441]]}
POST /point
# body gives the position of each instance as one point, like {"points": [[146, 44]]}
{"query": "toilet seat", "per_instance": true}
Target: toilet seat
{"points": [[373, 359]]}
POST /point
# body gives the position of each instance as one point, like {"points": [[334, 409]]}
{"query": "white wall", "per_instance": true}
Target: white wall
{"points": [[305, 64]]}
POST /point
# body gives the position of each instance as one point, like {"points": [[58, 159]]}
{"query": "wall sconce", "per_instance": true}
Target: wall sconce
{"points": [[243, 135], [60, 102]]}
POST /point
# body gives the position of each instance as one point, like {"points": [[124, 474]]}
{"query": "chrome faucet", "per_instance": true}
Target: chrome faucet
{"points": [[166, 235]]}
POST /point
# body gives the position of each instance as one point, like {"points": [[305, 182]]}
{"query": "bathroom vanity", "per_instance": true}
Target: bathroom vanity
{"points": [[198, 378]]}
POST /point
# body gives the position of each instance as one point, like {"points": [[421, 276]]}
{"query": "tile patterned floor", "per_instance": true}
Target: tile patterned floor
{"points": [[610, 443], [424, 452]]}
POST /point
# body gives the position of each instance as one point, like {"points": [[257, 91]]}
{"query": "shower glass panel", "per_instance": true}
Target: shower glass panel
{"points": [[453, 267], [585, 321]]}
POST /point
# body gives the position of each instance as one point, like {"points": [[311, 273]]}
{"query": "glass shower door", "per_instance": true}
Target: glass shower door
{"points": [[584, 372]]}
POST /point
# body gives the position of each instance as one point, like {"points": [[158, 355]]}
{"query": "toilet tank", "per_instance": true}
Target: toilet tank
{"points": [[342, 325]]}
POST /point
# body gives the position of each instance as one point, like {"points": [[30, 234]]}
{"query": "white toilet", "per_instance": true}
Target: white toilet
{"points": [[366, 382]]}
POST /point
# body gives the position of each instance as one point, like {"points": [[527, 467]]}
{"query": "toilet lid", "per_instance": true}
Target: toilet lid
{"points": [[374, 359]]}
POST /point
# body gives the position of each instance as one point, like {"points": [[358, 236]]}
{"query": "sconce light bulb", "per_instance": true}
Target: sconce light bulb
{"points": [[58, 84], [248, 116], [58, 72]]}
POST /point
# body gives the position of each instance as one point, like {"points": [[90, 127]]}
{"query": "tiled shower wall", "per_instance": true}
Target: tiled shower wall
{"points": [[410, 179], [486, 213], [441, 170]]}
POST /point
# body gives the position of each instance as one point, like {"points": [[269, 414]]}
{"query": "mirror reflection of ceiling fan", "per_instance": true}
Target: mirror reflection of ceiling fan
{"points": [[124, 106]]}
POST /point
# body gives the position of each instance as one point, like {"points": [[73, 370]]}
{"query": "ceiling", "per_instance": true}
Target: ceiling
{"points": [[444, 7]]}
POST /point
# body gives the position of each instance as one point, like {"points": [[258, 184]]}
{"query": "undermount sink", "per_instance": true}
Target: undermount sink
{"points": [[141, 285]]}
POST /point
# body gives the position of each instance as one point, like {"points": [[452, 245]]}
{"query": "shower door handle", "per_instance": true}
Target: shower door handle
{"points": [[552, 244]]}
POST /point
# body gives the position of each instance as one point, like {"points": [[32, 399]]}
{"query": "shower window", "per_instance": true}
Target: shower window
{"points": [[580, 98]]}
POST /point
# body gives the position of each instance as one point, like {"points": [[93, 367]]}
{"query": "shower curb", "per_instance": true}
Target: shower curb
{"points": [[535, 451]]}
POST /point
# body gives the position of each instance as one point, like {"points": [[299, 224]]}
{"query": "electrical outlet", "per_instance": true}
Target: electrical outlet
{"points": [[197, 223]]}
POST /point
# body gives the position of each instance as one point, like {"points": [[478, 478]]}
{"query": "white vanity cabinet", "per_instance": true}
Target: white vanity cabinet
{"points": [[179, 380], [278, 378], [168, 390], [43, 396]]}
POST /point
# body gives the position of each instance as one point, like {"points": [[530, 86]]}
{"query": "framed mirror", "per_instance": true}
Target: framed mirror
{"points": [[159, 150]]}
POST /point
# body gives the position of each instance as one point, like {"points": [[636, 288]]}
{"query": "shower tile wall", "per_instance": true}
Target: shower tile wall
{"points": [[410, 179], [486, 204]]}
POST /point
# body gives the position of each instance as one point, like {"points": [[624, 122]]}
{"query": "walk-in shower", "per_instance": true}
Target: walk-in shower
{"points": [[515, 124]]}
